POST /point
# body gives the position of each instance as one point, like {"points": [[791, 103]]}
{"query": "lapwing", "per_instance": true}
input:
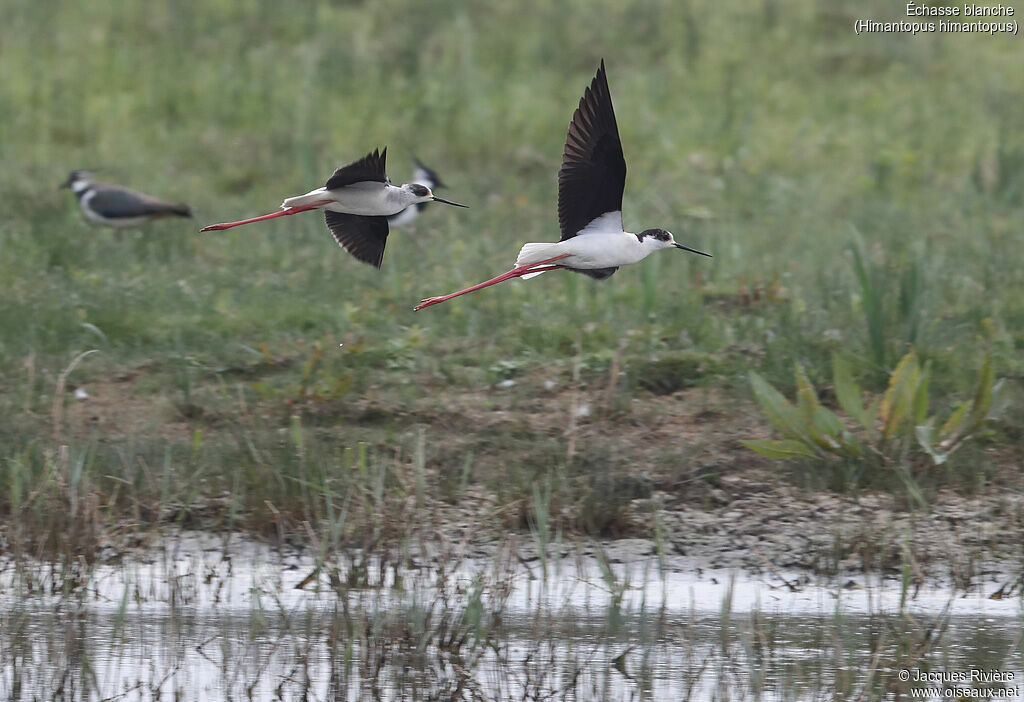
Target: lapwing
{"points": [[116, 206], [356, 201], [590, 185]]}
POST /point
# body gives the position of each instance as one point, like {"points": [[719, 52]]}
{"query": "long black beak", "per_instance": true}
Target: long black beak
{"points": [[449, 202], [65, 184], [687, 248]]}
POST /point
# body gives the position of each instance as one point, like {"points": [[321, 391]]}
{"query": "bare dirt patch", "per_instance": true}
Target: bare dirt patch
{"points": [[113, 410]]}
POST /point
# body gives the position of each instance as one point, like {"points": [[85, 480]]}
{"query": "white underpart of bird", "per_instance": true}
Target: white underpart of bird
{"points": [[367, 198], [601, 244], [405, 217]]}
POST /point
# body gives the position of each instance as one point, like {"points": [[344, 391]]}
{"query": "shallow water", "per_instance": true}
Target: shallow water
{"points": [[210, 619]]}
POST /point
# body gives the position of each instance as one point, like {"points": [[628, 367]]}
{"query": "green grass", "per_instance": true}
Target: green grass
{"points": [[773, 139]]}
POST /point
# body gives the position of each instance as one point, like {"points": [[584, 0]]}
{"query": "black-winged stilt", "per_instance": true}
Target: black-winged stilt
{"points": [[356, 201], [424, 176], [118, 207], [590, 185]]}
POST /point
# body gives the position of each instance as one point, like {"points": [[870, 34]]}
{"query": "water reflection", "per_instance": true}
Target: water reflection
{"points": [[201, 623]]}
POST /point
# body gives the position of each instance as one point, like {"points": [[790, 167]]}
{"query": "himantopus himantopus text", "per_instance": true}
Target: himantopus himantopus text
{"points": [[590, 185]]}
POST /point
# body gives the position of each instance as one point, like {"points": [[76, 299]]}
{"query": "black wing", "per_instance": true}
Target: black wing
{"points": [[115, 202], [363, 237], [369, 168], [593, 173]]}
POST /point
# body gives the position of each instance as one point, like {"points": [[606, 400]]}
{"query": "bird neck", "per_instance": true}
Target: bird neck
{"points": [[80, 186], [401, 196], [645, 246]]}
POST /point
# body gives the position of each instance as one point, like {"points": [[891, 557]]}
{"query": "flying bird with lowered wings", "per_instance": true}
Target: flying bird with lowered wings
{"points": [[356, 201], [590, 185]]}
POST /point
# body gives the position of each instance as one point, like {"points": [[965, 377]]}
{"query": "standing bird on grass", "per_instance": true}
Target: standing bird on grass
{"points": [[118, 207], [356, 201], [590, 185], [426, 177]]}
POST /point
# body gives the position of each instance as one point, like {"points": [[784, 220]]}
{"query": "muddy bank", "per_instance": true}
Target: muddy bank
{"points": [[664, 474], [758, 528]]}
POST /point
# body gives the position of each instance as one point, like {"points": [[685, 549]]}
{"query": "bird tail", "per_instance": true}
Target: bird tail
{"points": [[307, 199], [169, 209], [535, 253]]}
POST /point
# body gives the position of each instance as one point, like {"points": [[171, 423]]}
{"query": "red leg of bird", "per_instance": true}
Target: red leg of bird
{"points": [[514, 273], [282, 213]]}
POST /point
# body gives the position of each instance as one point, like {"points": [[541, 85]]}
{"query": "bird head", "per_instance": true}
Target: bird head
{"points": [[421, 193], [656, 239], [77, 176]]}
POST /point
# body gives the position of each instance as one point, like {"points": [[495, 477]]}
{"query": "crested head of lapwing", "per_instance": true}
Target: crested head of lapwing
{"points": [[426, 177], [116, 206], [357, 201], [590, 186]]}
